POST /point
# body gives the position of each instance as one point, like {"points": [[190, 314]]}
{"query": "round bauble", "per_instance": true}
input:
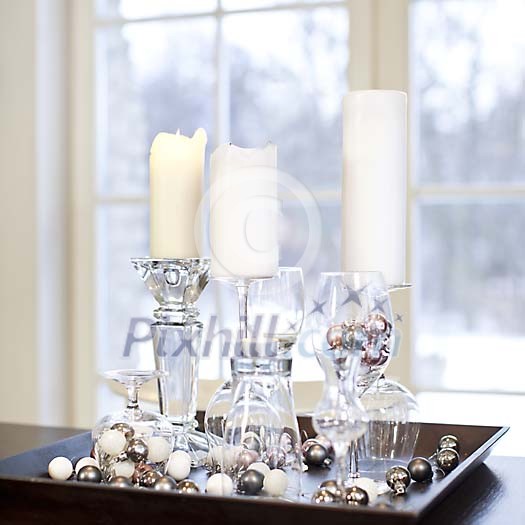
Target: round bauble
{"points": [[112, 442], [149, 478], [355, 496], [275, 483], [123, 469], [82, 462], [179, 465], [60, 468], [420, 470], [398, 479], [261, 467], [369, 486], [219, 485], [447, 459], [250, 482], [316, 455], [125, 429], [324, 496], [165, 484], [449, 441], [89, 474], [159, 449], [137, 449], [120, 482], [188, 486]]}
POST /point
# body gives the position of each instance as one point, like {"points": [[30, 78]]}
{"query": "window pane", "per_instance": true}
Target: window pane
{"points": [[468, 74], [134, 9], [251, 4], [469, 291], [149, 80], [288, 88]]}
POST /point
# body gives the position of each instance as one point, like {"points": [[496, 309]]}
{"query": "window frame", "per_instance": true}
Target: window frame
{"points": [[373, 64]]}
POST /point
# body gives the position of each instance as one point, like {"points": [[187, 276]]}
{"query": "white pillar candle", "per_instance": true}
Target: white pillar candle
{"points": [[243, 212], [176, 191], [375, 183]]}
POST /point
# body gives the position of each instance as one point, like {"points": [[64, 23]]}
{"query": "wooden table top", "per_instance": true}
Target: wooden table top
{"points": [[493, 495]]}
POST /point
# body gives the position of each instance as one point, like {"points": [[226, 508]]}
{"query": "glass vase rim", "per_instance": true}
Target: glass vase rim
{"points": [[169, 259], [353, 272]]}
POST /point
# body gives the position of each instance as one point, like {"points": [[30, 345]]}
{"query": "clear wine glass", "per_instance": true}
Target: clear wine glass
{"points": [[127, 440], [276, 307], [359, 300]]}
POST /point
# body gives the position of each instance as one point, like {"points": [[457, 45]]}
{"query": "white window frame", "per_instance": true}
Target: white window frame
{"points": [[374, 64]]}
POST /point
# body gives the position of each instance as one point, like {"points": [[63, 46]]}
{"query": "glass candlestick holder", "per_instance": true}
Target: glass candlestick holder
{"points": [[176, 284]]}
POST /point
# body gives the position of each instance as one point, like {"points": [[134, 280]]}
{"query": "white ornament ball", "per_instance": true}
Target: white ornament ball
{"points": [[261, 467], [219, 485], [84, 462], [112, 442], [124, 468], [60, 468], [275, 482], [369, 486], [179, 465], [159, 449]]}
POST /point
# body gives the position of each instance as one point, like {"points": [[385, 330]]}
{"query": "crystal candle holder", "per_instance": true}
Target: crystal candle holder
{"points": [[176, 284]]}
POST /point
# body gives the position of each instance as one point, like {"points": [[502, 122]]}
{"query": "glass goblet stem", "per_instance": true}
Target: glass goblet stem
{"points": [[133, 396], [354, 461], [242, 292], [341, 451]]}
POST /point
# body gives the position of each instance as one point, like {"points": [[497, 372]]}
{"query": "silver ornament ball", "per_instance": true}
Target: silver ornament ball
{"points": [[447, 459], [449, 441], [316, 455], [188, 486], [323, 497], [120, 482], [126, 429], [165, 484], [89, 474], [420, 470], [398, 479], [355, 496], [137, 450], [334, 336], [250, 482], [149, 478]]}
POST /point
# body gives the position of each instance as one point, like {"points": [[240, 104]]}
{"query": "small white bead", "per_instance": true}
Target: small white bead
{"points": [[275, 482], [369, 486], [124, 468], [261, 467], [60, 468], [112, 442], [219, 485], [179, 465], [83, 462], [159, 449]]}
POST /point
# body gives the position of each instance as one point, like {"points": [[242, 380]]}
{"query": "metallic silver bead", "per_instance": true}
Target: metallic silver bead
{"points": [[89, 474], [250, 482], [420, 470], [377, 325], [334, 336], [126, 429], [149, 478], [398, 479], [325, 442], [120, 482], [275, 457], [449, 441], [355, 496], [137, 450], [354, 336], [188, 486], [331, 486], [447, 459], [308, 443], [252, 442], [165, 483], [323, 496], [247, 457], [316, 455], [139, 470]]}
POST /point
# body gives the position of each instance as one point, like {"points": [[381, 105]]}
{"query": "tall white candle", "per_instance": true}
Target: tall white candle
{"points": [[375, 183], [243, 212], [176, 191]]}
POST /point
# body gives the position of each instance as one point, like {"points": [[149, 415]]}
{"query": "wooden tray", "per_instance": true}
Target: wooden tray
{"points": [[27, 495]]}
